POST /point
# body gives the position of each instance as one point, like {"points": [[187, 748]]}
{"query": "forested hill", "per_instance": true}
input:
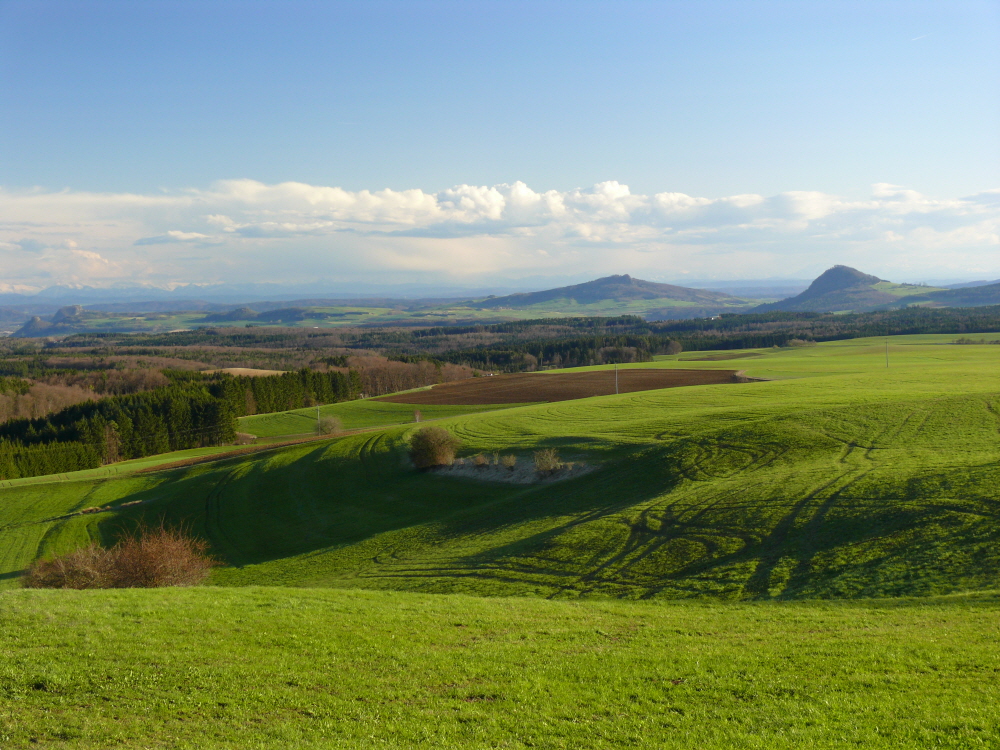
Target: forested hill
{"points": [[843, 288], [612, 288]]}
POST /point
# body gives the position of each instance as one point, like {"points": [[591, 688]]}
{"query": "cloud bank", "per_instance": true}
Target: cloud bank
{"points": [[246, 231]]}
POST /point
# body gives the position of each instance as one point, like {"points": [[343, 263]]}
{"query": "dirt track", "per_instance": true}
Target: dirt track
{"points": [[533, 387]]}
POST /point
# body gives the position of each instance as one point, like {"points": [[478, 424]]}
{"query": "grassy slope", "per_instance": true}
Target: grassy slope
{"points": [[265, 668], [846, 480]]}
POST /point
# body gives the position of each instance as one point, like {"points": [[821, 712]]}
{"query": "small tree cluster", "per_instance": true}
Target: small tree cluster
{"points": [[433, 446], [148, 559], [330, 425]]}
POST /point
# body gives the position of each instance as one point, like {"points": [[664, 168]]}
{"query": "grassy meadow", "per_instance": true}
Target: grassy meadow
{"points": [[353, 415], [272, 667], [806, 561]]}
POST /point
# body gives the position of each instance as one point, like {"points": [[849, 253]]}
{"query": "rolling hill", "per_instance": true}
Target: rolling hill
{"points": [[359, 602], [844, 480]]}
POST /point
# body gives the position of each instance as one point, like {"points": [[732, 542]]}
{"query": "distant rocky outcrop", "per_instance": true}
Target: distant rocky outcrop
{"points": [[70, 314], [34, 328]]}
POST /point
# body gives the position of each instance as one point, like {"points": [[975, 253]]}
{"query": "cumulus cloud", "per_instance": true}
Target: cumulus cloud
{"points": [[295, 231]]}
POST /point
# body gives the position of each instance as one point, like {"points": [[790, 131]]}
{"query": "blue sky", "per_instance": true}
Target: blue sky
{"points": [[149, 141]]}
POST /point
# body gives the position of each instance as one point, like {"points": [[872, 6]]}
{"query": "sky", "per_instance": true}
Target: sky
{"points": [[465, 144]]}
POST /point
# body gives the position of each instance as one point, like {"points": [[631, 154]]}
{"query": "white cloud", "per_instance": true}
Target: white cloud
{"points": [[294, 232]]}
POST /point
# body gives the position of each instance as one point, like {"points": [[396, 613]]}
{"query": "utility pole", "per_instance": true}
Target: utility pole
{"points": [[887, 353], [616, 378], [318, 430]]}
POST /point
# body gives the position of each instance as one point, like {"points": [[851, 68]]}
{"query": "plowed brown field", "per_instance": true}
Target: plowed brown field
{"points": [[525, 388]]}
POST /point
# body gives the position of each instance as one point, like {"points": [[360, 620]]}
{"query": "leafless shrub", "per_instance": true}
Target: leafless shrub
{"points": [[417, 416], [330, 426], [547, 461], [480, 461], [160, 557], [508, 462], [147, 559], [433, 446], [245, 438], [84, 568]]}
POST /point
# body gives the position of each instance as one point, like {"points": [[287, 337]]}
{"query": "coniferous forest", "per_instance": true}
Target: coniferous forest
{"points": [[193, 411]]}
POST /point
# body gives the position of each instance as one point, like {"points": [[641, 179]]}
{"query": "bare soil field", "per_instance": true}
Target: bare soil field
{"points": [[523, 388]]}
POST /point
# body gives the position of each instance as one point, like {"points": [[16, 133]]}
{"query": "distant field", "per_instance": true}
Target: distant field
{"points": [[354, 415], [558, 386], [269, 668]]}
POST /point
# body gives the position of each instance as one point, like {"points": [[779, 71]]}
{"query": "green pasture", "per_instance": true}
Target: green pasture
{"points": [[354, 415], [905, 290], [857, 481], [300, 668]]}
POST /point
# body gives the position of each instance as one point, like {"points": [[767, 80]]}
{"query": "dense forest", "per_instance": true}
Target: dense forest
{"points": [[637, 340], [194, 410], [526, 344]]}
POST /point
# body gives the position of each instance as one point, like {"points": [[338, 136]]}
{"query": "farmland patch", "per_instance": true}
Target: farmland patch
{"points": [[538, 387]]}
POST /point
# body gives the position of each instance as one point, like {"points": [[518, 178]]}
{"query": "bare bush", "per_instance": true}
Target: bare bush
{"points": [[433, 446], [84, 568], [330, 425], [160, 557], [508, 462], [149, 558], [245, 438], [480, 461], [547, 461]]}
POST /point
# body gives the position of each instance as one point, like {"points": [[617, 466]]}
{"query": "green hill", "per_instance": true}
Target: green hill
{"points": [[977, 296], [621, 294], [842, 288], [843, 479]]}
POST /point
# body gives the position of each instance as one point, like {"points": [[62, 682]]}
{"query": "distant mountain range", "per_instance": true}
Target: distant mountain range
{"points": [[839, 289]]}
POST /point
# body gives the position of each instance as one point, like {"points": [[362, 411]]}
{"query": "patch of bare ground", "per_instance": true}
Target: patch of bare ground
{"points": [[523, 472], [525, 388]]}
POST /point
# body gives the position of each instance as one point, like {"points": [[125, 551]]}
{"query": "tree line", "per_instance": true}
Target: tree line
{"points": [[194, 410]]}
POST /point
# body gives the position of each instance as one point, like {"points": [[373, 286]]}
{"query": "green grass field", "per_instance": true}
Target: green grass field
{"points": [[802, 562], [847, 479], [302, 668], [354, 415]]}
